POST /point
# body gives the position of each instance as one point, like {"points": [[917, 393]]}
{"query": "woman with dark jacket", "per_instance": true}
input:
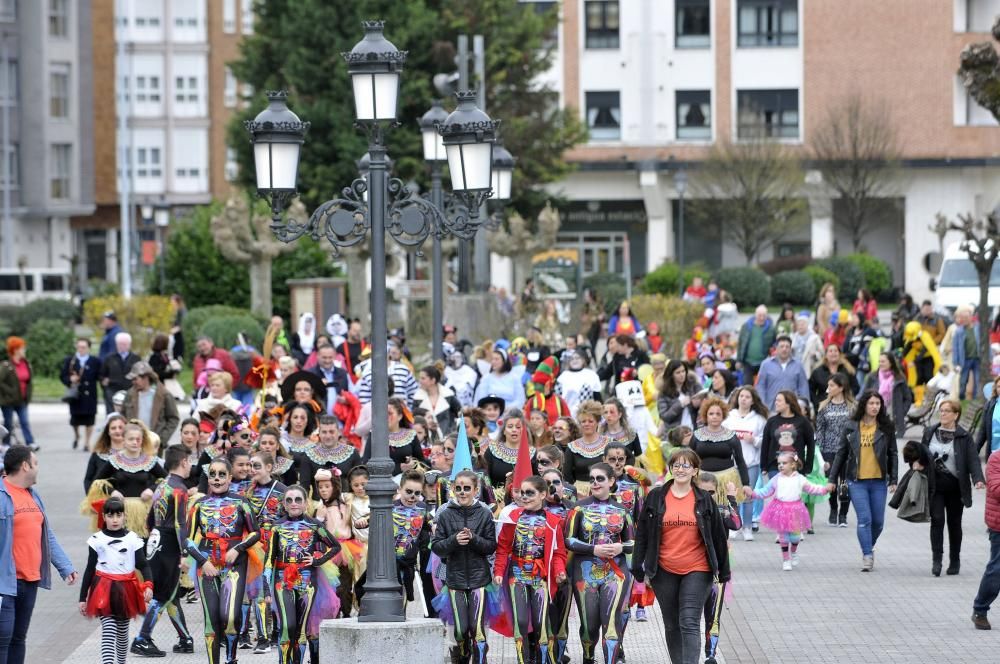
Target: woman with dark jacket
{"points": [[986, 433], [954, 466], [788, 430], [890, 382], [867, 460], [675, 394], [464, 539], [159, 358], [83, 370], [680, 564], [833, 363]]}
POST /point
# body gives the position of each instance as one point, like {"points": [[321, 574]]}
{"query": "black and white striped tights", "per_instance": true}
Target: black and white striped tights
{"points": [[114, 640]]}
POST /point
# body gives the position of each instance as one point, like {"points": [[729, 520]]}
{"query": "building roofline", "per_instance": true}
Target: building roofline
{"points": [[668, 165]]}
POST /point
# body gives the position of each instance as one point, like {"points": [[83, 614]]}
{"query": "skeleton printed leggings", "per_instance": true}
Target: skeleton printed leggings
{"points": [[559, 609], [602, 604], [468, 606], [293, 609], [531, 621], [114, 640], [222, 600]]}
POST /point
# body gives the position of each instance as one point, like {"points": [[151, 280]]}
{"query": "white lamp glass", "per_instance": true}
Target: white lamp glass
{"points": [[433, 145], [276, 164], [501, 184], [375, 96], [470, 166]]}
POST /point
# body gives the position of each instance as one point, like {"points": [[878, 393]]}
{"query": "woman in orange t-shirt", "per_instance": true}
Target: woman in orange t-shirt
{"points": [[680, 545]]}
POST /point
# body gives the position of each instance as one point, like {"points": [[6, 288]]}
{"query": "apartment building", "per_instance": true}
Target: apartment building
{"points": [[659, 81], [165, 64], [46, 133]]}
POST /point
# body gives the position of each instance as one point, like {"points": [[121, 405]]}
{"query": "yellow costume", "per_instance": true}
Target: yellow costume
{"points": [[918, 344]]}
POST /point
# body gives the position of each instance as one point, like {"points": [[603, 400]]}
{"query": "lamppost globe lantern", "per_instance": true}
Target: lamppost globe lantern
{"points": [[374, 65], [433, 143], [680, 182], [503, 172], [277, 135], [468, 135]]}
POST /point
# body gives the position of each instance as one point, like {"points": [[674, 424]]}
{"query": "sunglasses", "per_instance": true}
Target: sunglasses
{"points": [[598, 478], [458, 488], [218, 473], [529, 493], [294, 500], [412, 492], [682, 466]]}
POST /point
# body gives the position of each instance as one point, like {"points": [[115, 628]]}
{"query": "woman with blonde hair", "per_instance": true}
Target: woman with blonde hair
{"points": [[586, 450], [828, 305], [111, 439], [130, 473]]}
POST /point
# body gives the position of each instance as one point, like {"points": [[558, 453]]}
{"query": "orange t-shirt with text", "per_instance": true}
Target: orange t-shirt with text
{"points": [[682, 549], [27, 545]]}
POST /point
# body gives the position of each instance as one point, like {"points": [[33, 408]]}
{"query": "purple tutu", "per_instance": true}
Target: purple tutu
{"points": [[786, 517]]}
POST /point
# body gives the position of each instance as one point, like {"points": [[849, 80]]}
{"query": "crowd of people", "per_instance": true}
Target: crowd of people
{"points": [[535, 474]]}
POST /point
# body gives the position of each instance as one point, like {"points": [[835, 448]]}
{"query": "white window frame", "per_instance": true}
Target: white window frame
{"points": [[10, 83], [246, 17], [58, 12], [8, 11], [63, 70], [229, 96], [232, 168], [229, 16], [14, 170], [60, 171], [613, 242]]}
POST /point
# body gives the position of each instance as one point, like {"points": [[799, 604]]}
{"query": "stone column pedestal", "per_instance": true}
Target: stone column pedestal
{"points": [[347, 641]]}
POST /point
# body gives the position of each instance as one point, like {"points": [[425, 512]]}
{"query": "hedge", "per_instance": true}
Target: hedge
{"points": [[748, 286], [664, 279], [224, 330], [877, 273], [49, 342], [785, 264], [17, 319], [794, 286], [852, 279], [196, 319], [142, 316], [609, 288], [675, 317], [821, 276]]}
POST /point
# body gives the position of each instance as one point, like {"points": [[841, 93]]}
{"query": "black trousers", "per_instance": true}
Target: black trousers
{"points": [[946, 506], [839, 505], [682, 599]]}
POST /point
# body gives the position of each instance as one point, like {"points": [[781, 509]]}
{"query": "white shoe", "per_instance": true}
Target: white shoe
{"points": [[786, 566], [747, 535], [795, 559], [640, 614], [732, 534]]}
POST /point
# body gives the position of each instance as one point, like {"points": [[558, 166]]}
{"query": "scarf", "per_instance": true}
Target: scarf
{"points": [[886, 379]]}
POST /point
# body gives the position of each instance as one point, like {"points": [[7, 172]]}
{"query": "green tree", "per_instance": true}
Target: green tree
{"points": [[297, 45]]}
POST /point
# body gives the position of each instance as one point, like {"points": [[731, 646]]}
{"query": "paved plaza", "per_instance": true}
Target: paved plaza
{"points": [[826, 611]]}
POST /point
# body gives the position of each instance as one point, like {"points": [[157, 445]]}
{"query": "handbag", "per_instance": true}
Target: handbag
{"points": [[71, 394], [174, 389], [175, 365]]}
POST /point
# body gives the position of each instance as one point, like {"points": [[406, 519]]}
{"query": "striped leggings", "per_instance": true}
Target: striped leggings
{"points": [[114, 640]]}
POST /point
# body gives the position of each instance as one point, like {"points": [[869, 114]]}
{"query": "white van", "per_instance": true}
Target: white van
{"points": [[957, 283], [38, 283]]}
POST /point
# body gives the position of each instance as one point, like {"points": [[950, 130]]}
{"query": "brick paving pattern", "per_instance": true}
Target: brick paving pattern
{"points": [[825, 611]]}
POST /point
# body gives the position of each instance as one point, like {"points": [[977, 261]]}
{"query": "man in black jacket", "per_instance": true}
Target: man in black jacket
{"points": [[624, 353], [333, 376], [115, 367]]}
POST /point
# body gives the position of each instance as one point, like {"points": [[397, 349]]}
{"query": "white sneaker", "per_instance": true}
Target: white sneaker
{"points": [[732, 534], [795, 559], [747, 535], [786, 566], [640, 614]]}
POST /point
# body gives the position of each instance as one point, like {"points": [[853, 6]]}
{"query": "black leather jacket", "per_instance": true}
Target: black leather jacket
{"points": [[845, 464], [646, 555], [467, 567]]}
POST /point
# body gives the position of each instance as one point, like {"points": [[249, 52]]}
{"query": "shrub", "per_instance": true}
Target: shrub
{"points": [[748, 285], [785, 264], [224, 330], [820, 276], [49, 342], [19, 319], [663, 280], [609, 287], [142, 316], [794, 286], [852, 279], [877, 273], [197, 318], [675, 317]]}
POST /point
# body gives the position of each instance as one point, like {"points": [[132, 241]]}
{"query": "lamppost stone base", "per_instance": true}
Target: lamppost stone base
{"points": [[348, 641]]}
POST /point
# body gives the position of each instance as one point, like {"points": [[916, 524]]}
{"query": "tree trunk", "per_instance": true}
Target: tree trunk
{"points": [[358, 298], [260, 286], [985, 322], [522, 269]]}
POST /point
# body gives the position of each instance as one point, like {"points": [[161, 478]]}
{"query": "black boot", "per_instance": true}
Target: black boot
{"points": [[936, 565], [456, 654], [953, 565], [184, 645]]}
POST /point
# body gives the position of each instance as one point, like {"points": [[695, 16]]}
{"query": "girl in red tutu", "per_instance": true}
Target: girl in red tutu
{"points": [[787, 514], [111, 589]]}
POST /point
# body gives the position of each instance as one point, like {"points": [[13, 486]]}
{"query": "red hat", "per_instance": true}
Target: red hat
{"points": [[547, 371], [522, 469]]}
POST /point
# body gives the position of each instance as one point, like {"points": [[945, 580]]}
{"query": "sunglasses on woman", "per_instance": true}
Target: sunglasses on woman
{"points": [[294, 500]]}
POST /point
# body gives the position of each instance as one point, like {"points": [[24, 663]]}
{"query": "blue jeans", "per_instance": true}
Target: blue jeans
{"points": [[15, 616], [245, 397], [971, 365], [868, 498], [22, 417], [989, 587], [748, 508]]}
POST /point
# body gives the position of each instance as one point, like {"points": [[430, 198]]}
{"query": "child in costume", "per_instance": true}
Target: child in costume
{"points": [[631, 485], [464, 539], [600, 534], [304, 588], [360, 505], [335, 513], [787, 514], [731, 518], [222, 529], [410, 528], [111, 590], [560, 500], [631, 395]]}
